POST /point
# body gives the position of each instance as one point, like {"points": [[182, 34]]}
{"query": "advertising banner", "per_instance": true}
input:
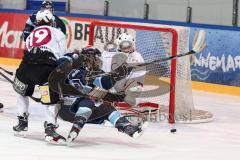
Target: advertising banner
{"points": [[11, 26], [220, 60]]}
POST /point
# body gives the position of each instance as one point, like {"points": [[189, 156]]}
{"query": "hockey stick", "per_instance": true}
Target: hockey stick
{"points": [[4, 76], [198, 45], [6, 71], [11, 81]]}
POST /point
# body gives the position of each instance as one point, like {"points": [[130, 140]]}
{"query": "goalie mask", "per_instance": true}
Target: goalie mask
{"points": [[125, 43], [91, 58]]}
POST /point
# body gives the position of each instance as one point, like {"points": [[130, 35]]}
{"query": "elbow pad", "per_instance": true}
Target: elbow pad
{"points": [[104, 82]]}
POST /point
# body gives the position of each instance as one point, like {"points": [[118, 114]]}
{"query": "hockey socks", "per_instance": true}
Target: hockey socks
{"points": [[77, 126]]}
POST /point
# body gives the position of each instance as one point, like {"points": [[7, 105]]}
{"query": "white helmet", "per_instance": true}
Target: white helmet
{"points": [[44, 16], [125, 42]]}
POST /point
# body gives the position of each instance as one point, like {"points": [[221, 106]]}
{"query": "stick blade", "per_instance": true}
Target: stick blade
{"points": [[199, 42]]}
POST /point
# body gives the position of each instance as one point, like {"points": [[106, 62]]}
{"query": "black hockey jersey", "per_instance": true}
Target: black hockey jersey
{"points": [[77, 78]]}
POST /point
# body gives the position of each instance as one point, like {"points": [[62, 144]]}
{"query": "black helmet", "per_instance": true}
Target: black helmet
{"points": [[91, 52], [91, 58], [47, 5]]}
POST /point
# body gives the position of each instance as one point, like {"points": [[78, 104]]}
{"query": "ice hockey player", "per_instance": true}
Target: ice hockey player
{"points": [[90, 107], [32, 23], [125, 45], [44, 46]]}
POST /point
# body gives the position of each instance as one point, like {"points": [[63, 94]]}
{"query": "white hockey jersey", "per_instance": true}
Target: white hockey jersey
{"points": [[48, 39], [133, 78]]}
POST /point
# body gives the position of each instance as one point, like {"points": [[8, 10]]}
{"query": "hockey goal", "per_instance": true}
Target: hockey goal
{"points": [[167, 84]]}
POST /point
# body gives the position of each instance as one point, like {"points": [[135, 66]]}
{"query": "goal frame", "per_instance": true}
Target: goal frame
{"points": [[174, 33]]}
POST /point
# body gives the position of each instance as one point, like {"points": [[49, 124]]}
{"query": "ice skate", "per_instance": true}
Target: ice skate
{"points": [[22, 126], [51, 136], [73, 134], [133, 130]]}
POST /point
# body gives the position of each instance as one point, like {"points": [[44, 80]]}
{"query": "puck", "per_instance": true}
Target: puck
{"points": [[1, 105], [173, 130]]}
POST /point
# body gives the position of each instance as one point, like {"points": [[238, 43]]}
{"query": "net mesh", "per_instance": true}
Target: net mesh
{"points": [[153, 45]]}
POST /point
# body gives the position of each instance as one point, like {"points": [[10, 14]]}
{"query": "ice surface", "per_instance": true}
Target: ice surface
{"points": [[218, 140]]}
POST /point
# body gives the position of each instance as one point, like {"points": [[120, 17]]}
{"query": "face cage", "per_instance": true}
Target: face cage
{"points": [[93, 63], [48, 7], [126, 46], [41, 23]]}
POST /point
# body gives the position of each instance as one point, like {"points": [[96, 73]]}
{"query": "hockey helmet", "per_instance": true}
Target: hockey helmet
{"points": [[91, 51], [47, 5], [125, 42], [91, 57], [44, 17]]}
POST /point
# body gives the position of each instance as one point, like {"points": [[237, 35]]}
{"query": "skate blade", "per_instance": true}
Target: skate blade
{"points": [[50, 140], [137, 134], [69, 142], [145, 125], [71, 137], [20, 134], [107, 124]]}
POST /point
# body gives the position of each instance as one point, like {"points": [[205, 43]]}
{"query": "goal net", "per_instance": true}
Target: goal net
{"points": [[167, 83]]}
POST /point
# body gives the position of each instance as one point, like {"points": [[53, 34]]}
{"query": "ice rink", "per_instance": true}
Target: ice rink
{"points": [[217, 140]]}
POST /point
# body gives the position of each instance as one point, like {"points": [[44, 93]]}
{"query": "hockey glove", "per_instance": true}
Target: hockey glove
{"points": [[121, 72], [76, 59], [64, 65]]}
